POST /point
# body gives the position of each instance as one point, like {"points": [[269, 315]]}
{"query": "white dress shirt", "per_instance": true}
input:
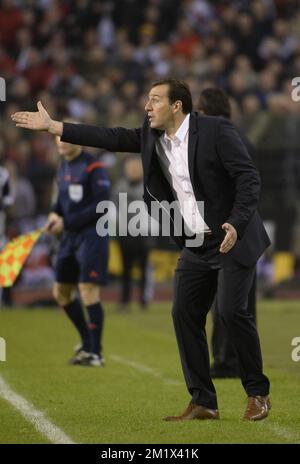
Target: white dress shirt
{"points": [[173, 159]]}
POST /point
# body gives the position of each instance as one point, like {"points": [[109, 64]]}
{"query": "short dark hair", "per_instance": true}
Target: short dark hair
{"points": [[178, 90], [214, 102]]}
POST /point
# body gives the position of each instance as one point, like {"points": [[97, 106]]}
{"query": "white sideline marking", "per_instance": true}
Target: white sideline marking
{"points": [[33, 415], [143, 368]]}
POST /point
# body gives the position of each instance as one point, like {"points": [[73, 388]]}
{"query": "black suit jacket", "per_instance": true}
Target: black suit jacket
{"points": [[221, 171]]}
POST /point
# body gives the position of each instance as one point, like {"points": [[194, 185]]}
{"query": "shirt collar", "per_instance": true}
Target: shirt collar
{"points": [[181, 131]]}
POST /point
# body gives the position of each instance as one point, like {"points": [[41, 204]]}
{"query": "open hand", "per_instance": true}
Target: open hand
{"points": [[39, 120]]}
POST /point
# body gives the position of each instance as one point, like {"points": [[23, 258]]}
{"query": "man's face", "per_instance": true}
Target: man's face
{"points": [[67, 150], [158, 107]]}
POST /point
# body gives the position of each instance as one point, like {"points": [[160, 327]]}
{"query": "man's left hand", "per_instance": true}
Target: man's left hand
{"points": [[230, 238]]}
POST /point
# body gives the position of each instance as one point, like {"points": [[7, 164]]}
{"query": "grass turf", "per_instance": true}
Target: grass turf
{"points": [[142, 382]]}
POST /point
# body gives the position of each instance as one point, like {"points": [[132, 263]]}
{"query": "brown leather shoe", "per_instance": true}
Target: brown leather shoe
{"points": [[258, 408], [195, 411]]}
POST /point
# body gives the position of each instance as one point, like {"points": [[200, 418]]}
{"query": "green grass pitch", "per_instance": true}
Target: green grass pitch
{"points": [[142, 382]]}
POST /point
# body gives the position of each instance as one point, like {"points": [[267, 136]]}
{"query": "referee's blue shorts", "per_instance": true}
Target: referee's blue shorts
{"points": [[82, 257]]}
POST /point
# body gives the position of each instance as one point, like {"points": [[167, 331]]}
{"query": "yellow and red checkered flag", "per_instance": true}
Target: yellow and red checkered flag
{"points": [[14, 255]]}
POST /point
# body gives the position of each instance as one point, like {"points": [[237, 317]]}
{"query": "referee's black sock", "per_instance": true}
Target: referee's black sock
{"points": [[96, 316], [76, 315]]}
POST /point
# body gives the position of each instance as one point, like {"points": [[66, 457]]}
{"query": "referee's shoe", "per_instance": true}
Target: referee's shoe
{"points": [[83, 358]]}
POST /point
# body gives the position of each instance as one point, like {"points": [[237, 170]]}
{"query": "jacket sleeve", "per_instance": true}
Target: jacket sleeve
{"points": [[114, 139], [239, 166]]}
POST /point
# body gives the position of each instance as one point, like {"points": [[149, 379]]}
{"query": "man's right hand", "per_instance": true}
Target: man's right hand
{"points": [[39, 120]]}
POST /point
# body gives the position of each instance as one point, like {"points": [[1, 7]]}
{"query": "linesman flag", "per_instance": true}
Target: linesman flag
{"points": [[14, 255]]}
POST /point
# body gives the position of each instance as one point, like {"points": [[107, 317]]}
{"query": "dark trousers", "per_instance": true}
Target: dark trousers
{"points": [[196, 279], [134, 251], [224, 354]]}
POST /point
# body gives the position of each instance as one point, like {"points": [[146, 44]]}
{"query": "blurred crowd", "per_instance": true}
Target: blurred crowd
{"points": [[94, 61]]}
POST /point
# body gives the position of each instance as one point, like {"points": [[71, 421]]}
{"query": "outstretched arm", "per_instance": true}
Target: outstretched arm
{"points": [[115, 139]]}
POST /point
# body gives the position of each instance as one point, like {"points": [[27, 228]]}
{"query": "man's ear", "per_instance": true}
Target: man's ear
{"points": [[177, 105]]}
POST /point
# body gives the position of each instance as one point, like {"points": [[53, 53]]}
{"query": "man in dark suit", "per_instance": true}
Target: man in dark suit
{"points": [[214, 101], [193, 158]]}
